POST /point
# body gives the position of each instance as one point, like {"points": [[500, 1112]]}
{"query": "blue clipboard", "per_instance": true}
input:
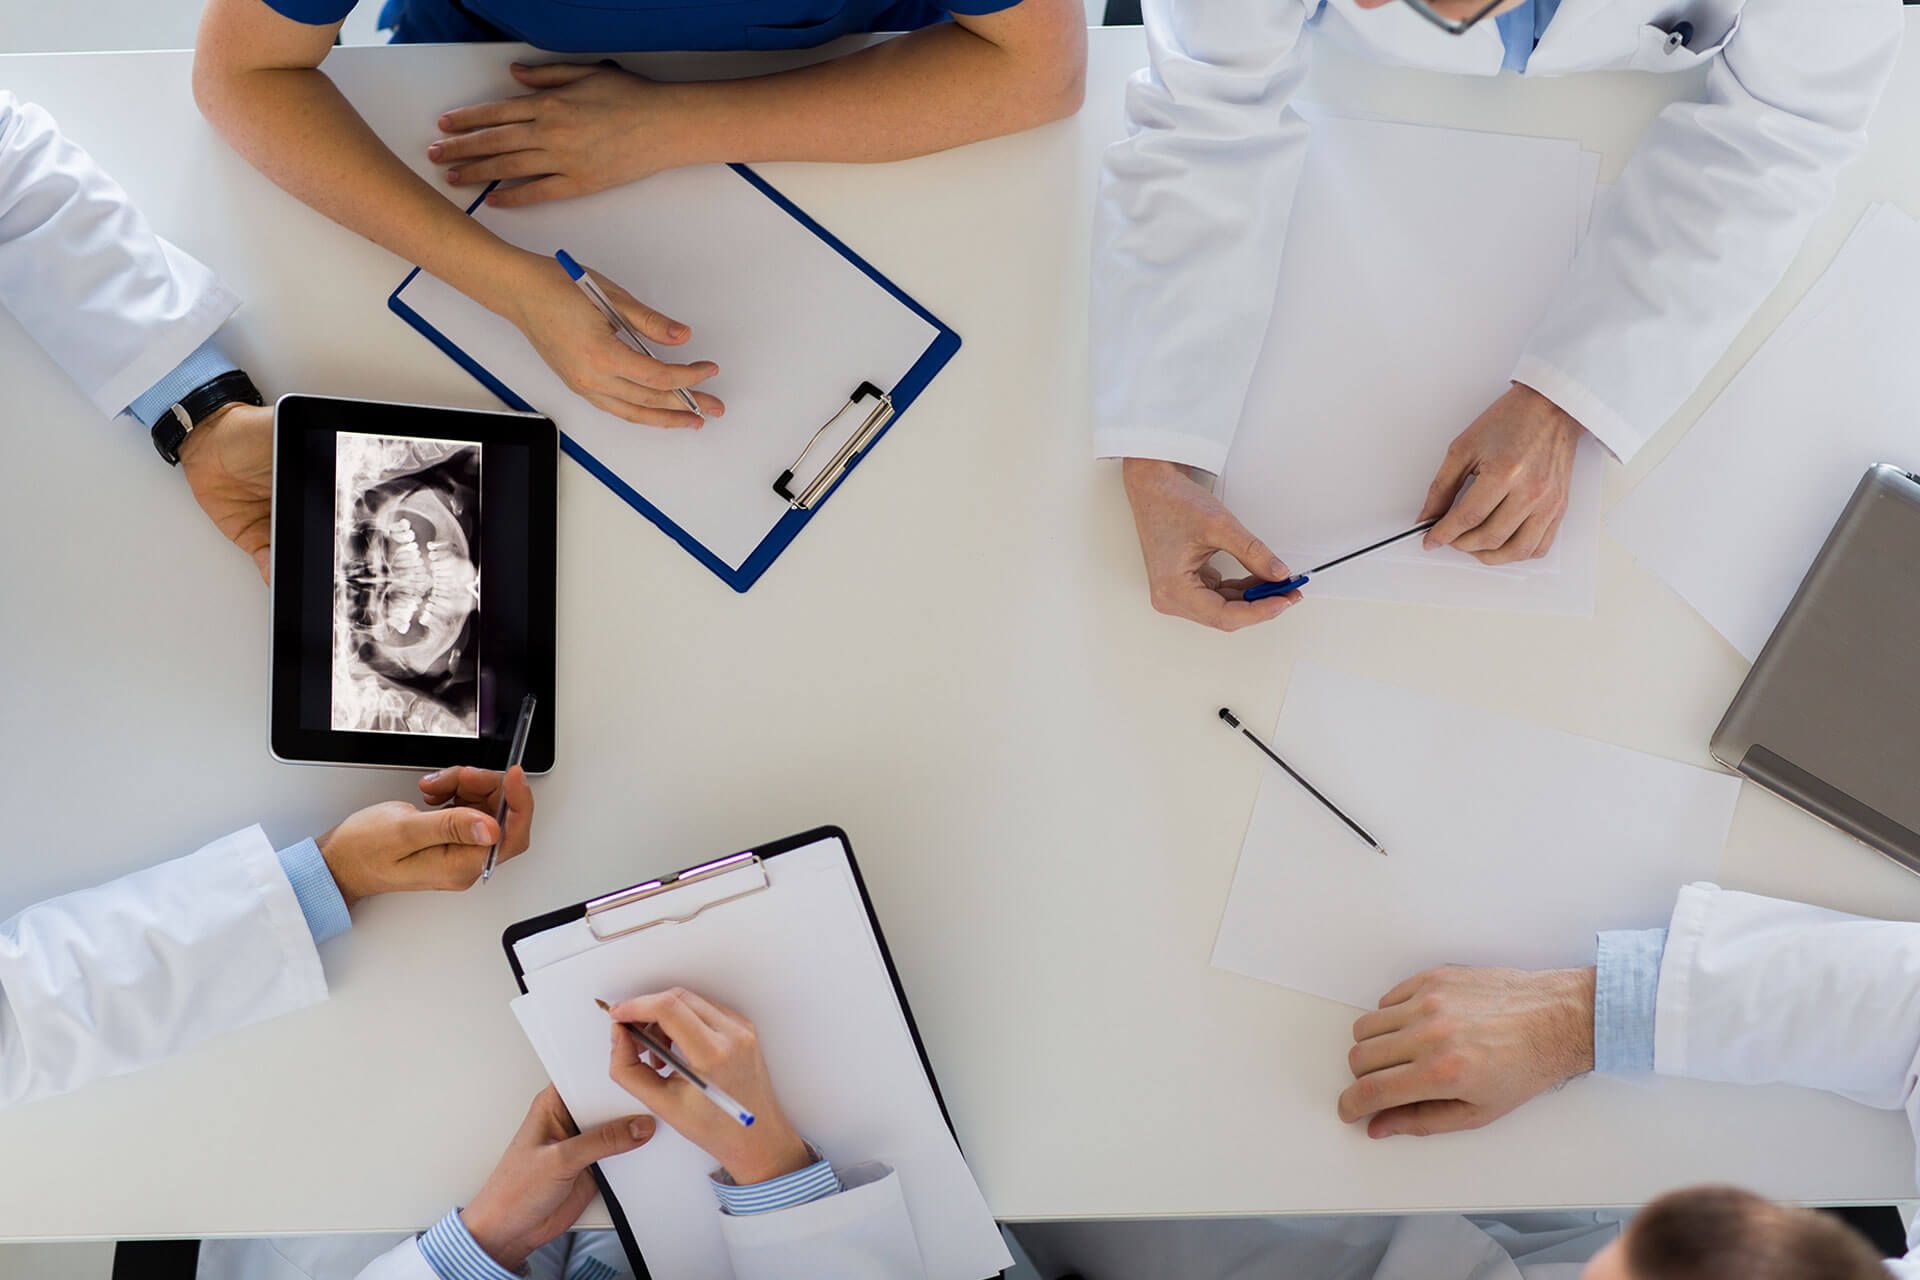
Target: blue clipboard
{"points": [[904, 393]]}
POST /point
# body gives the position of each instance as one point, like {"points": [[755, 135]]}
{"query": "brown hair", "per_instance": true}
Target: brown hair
{"points": [[1723, 1233]]}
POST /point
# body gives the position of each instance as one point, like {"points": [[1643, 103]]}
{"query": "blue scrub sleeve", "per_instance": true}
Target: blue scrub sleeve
{"points": [[975, 8], [317, 13]]}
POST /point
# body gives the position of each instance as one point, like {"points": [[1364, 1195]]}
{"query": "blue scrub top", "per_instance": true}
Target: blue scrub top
{"points": [[600, 26]]}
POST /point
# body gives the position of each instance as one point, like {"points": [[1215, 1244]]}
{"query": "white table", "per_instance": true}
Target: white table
{"points": [[957, 663]]}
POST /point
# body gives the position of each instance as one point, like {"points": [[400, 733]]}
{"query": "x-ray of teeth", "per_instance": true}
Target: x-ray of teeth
{"points": [[406, 585]]}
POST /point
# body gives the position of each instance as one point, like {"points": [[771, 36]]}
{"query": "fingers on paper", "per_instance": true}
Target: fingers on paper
{"points": [[643, 415], [500, 168], [1470, 510], [515, 110], [656, 326], [498, 140], [551, 75], [518, 195], [1530, 541]]}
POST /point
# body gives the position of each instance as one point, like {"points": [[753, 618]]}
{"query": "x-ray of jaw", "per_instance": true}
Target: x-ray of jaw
{"points": [[406, 592]]}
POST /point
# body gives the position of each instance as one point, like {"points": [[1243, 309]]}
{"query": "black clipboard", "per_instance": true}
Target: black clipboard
{"points": [[515, 933]]}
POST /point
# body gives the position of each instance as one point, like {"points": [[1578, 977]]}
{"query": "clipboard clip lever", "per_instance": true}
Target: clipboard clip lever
{"points": [[879, 410], [679, 880]]}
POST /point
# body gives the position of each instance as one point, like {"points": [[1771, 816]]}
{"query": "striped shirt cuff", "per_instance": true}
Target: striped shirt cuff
{"points": [[452, 1252], [803, 1186], [206, 363], [313, 886], [1626, 990]]}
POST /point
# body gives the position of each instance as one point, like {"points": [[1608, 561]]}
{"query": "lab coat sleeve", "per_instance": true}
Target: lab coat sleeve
{"points": [[1708, 213], [1191, 218], [863, 1233], [402, 1262], [1758, 991], [115, 306], [110, 979]]}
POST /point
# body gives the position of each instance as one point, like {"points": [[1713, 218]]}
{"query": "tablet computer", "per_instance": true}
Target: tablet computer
{"points": [[413, 583]]}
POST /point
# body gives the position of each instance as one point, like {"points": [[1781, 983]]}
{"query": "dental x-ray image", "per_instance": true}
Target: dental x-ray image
{"points": [[406, 585]]}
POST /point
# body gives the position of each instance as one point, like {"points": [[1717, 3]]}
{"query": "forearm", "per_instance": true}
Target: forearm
{"points": [[922, 92], [1710, 210], [296, 127], [115, 977]]}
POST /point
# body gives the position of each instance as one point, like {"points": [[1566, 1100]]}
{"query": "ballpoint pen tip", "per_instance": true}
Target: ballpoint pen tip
{"points": [[1380, 849]]}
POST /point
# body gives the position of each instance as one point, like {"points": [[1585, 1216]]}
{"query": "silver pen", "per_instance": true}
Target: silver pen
{"points": [[599, 299], [515, 753]]}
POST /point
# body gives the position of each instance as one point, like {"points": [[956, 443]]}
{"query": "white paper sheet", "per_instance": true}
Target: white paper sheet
{"points": [[1733, 517], [1417, 263], [1506, 844], [793, 326], [802, 962]]}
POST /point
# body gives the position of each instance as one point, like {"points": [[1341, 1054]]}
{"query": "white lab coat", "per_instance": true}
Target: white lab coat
{"points": [[1747, 995], [110, 979], [1707, 214], [115, 306]]}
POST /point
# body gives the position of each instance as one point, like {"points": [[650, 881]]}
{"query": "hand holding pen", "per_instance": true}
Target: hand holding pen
{"points": [[715, 1077], [590, 354]]}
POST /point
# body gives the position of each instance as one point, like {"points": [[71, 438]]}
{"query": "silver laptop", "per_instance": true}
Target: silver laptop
{"points": [[1829, 717]]}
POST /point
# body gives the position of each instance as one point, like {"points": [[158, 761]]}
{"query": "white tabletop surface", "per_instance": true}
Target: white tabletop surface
{"points": [[956, 662]]}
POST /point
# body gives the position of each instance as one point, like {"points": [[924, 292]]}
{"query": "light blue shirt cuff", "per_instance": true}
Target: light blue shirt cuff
{"points": [[319, 896], [206, 363], [803, 1186], [1626, 988], [452, 1252]]}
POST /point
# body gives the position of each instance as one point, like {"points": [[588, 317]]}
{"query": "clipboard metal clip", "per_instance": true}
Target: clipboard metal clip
{"points": [[879, 412], [679, 880]]}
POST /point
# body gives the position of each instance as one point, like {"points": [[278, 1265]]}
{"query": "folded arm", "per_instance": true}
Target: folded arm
{"points": [[1189, 227], [1708, 213]]}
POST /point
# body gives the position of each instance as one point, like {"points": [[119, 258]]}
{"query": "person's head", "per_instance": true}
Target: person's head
{"points": [[1722, 1233]]}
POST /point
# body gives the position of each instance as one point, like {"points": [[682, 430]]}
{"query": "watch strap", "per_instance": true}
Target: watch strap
{"points": [[170, 431]]}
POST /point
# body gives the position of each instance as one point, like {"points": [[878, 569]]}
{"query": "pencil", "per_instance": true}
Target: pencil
{"points": [[1233, 722]]}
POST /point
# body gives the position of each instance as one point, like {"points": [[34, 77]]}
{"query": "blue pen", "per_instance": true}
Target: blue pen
{"points": [[579, 276], [1298, 580]]}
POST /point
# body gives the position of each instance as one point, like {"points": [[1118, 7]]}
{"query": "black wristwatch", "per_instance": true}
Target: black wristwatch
{"points": [[194, 408]]}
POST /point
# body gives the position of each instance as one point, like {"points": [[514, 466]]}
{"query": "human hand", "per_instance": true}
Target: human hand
{"points": [[578, 344], [584, 128], [1181, 528], [394, 847], [1457, 1048], [1519, 453], [723, 1047], [540, 1187], [228, 463]]}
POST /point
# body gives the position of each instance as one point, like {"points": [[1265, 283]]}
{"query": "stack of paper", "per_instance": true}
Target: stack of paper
{"points": [[1417, 263], [1506, 843], [1734, 516]]}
